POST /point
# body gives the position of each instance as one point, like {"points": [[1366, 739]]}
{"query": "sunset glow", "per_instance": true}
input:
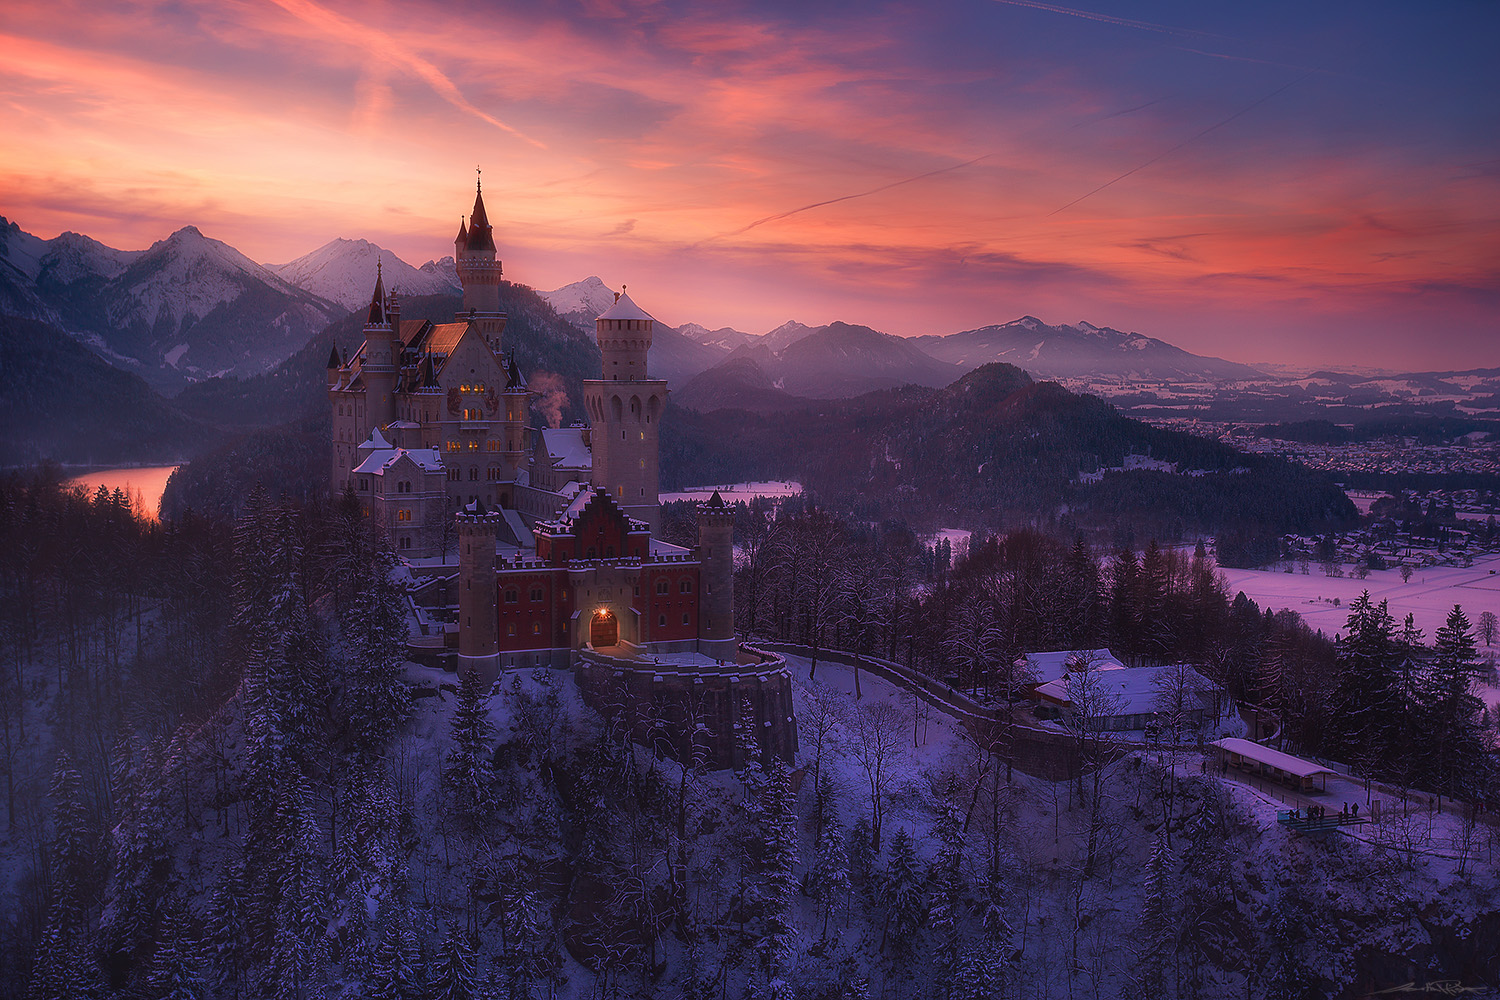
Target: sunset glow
{"points": [[1264, 183]]}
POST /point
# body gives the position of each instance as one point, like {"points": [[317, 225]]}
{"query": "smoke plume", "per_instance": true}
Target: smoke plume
{"points": [[551, 397]]}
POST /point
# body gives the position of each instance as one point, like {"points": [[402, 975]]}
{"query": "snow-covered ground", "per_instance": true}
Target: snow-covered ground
{"points": [[732, 492], [1431, 594]]}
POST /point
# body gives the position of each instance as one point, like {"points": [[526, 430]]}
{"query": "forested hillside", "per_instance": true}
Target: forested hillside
{"points": [[235, 791], [60, 401], [997, 449]]}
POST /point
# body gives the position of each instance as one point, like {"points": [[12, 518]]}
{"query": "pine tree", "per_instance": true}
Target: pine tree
{"points": [[862, 858], [903, 896], [1148, 977], [948, 886], [299, 926], [455, 969], [829, 880], [1451, 713], [174, 968], [469, 772], [376, 626], [63, 969], [394, 974], [227, 934], [778, 819], [1367, 697], [978, 975]]}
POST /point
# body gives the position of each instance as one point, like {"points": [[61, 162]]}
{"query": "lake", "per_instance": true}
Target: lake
{"points": [[146, 482]]}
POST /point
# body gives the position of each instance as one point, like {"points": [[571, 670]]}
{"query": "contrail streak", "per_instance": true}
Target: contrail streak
{"points": [[847, 197], [387, 48], [1123, 22], [1160, 156]]}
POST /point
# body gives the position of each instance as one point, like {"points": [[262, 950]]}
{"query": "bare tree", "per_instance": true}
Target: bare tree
{"points": [[877, 733], [1487, 627], [1092, 703], [973, 638]]}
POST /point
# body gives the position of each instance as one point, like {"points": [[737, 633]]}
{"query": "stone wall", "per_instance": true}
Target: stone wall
{"points": [[690, 714]]}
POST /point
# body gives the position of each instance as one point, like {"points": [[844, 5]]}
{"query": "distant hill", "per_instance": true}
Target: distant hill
{"points": [[737, 384], [59, 400], [996, 448], [1080, 351], [831, 362]]}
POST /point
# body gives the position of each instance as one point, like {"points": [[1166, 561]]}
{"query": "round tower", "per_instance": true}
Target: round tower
{"points": [[716, 556], [625, 406], [479, 272], [478, 623], [382, 356]]}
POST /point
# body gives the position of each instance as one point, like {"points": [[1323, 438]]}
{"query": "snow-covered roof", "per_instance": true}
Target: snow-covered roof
{"points": [[376, 440], [1054, 663], [381, 459], [565, 447], [1127, 690], [624, 308], [661, 548], [1295, 766]]}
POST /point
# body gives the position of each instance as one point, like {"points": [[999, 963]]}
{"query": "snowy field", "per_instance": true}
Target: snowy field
{"points": [[732, 492], [1429, 596]]}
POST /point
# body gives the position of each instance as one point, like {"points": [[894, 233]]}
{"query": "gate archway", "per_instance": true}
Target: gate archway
{"points": [[604, 630]]}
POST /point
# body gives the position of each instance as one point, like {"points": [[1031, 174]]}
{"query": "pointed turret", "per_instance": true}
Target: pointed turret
{"points": [[333, 359], [377, 301], [481, 233], [479, 272], [381, 359]]}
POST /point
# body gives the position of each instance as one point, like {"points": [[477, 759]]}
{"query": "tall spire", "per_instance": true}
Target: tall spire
{"points": [[481, 235], [377, 301]]}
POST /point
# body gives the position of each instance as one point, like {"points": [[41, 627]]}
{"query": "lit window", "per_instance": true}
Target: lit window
{"points": [[403, 515], [453, 446], [536, 628]]}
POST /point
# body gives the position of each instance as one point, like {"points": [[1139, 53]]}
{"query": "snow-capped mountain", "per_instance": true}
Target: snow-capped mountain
{"points": [[186, 308], [787, 334], [725, 337], [343, 271], [1079, 351], [581, 301]]}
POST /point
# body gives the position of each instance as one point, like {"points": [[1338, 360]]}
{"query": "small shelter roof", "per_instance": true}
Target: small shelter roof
{"points": [[1272, 758]]}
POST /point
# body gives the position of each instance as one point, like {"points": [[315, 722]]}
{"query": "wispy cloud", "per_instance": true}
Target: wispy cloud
{"points": [[347, 31]]}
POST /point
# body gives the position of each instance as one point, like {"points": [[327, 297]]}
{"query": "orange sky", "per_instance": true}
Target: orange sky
{"points": [[1280, 186]]}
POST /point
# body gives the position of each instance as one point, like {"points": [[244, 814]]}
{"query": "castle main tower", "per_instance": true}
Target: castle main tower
{"points": [[479, 272], [625, 406]]}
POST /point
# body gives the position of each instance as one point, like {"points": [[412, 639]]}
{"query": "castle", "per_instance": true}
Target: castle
{"points": [[539, 548]]}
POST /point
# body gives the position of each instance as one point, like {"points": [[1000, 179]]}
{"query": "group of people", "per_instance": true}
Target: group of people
{"points": [[1349, 810]]}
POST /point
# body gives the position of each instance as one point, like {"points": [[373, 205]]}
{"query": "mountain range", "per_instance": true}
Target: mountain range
{"points": [[187, 308]]}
